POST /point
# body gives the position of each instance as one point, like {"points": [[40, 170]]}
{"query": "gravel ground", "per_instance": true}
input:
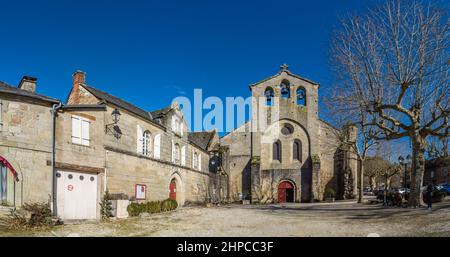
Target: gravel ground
{"points": [[336, 219]]}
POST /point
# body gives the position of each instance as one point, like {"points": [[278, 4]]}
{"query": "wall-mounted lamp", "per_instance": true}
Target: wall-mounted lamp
{"points": [[113, 128]]}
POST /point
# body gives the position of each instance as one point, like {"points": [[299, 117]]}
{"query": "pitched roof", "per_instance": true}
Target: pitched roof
{"points": [[6, 88], [161, 112], [201, 139], [289, 73], [120, 103]]}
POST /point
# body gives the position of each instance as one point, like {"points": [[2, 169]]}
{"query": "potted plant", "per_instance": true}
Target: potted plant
{"points": [[330, 195]]}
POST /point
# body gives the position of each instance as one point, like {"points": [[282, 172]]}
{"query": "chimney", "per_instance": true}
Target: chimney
{"points": [[79, 77], [28, 84]]}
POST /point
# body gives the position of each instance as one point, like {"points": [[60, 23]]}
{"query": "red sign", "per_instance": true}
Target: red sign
{"points": [[70, 187]]}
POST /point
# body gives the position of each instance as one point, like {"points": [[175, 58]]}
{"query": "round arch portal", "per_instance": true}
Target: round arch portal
{"points": [[286, 191]]}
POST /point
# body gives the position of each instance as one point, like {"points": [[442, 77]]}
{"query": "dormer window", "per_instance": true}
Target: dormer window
{"points": [[285, 89], [301, 96], [269, 94]]}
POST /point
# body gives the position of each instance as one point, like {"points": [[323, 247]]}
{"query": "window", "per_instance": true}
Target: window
{"points": [[176, 153], [195, 161], [199, 162], [287, 129], [269, 94], [80, 130], [276, 151], [183, 155], [301, 96], [297, 150], [181, 128], [146, 143], [285, 89], [157, 146]]}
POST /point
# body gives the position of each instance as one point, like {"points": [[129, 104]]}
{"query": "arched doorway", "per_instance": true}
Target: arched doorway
{"points": [[173, 190], [286, 192], [8, 179]]}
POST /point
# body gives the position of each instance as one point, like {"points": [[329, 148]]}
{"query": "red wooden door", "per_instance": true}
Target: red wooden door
{"points": [[173, 190], [284, 188]]}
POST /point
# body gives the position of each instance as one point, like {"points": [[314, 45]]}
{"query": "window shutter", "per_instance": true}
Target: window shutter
{"points": [[173, 123], [1, 115], [199, 162], [139, 138], [183, 155], [173, 149], [181, 128], [85, 131], [157, 143], [76, 130], [193, 159]]}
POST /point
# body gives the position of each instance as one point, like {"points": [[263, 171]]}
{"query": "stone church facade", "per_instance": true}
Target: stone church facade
{"points": [[286, 153]]}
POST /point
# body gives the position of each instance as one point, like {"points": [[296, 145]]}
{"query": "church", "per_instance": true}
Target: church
{"points": [[71, 153], [285, 152]]}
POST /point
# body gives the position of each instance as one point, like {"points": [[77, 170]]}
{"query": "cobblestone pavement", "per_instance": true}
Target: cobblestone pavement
{"points": [[336, 219]]}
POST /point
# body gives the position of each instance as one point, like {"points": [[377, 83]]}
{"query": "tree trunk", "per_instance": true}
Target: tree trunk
{"points": [[361, 183], [418, 169]]}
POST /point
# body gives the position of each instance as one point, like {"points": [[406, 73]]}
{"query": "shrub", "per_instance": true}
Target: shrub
{"points": [[106, 206], [329, 192], [31, 215], [134, 209], [154, 207], [168, 205]]}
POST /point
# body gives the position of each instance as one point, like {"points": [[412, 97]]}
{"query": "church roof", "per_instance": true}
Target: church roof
{"points": [[201, 139], [284, 68], [6, 88]]}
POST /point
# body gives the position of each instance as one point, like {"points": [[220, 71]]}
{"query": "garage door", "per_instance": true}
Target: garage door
{"points": [[77, 195]]}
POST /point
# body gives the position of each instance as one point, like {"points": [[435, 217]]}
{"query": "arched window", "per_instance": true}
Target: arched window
{"points": [[297, 150], [176, 153], [269, 94], [276, 151], [301, 96], [285, 89], [195, 160], [147, 143]]}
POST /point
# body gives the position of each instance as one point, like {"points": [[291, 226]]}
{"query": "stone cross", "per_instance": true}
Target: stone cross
{"points": [[284, 67]]}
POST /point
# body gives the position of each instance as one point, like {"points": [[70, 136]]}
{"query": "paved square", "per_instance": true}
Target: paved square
{"points": [[319, 219]]}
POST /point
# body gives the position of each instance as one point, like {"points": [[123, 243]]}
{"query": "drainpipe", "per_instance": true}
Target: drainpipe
{"points": [[54, 113]]}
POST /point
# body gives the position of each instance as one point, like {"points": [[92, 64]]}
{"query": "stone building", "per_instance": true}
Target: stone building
{"points": [[437, 171], [101, 143], [286, 153]]}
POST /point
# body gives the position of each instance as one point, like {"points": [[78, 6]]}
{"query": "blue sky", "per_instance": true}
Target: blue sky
{"points": [[149, 52]]}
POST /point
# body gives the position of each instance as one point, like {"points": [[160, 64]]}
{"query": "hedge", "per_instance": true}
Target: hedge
{"points": [[134, 209]]}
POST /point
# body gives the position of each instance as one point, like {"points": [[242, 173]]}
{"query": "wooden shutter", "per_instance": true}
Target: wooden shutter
{"points": [[199, 162], [139, 139], [85, 131], [157, 144], [183, 155], [1, 115], [76, 130]]}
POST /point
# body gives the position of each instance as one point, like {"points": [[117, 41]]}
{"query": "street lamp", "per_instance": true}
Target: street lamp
{"points": [[405, 162]]}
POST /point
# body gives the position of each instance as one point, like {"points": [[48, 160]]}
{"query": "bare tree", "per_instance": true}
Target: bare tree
{"points": [[437, 147], [393, 64], [338, 105]]}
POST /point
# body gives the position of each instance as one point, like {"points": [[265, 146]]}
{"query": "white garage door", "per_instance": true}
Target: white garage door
{"points": [[77, 195]]}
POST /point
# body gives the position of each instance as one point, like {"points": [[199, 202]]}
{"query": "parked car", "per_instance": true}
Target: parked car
{"points": [[367, 191], [444, 188], [403, 190]]}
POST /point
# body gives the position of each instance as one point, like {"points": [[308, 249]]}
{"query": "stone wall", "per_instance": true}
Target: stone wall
{"points": [[25, 142]]}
